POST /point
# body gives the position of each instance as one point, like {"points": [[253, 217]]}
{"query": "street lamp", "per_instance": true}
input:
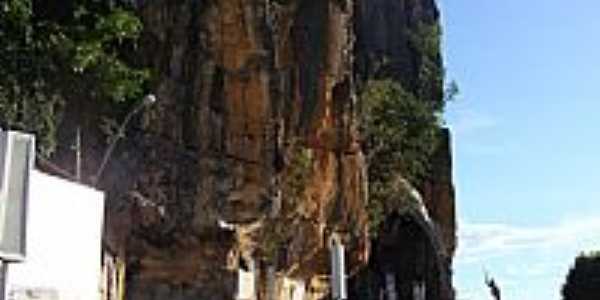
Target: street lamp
{"points": [[148, 100]]}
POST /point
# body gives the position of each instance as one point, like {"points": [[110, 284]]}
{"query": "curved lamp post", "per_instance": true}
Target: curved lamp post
{"points": [[148, 100]]}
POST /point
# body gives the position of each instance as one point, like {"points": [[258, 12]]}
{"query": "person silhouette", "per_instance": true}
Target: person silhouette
{"points": [[494, 289]]}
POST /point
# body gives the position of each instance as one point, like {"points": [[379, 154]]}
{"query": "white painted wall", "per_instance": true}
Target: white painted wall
{"points": [[246, 284], [293, 289], [64, 234], [338, 269]]}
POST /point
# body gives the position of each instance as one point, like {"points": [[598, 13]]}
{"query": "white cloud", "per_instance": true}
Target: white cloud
{"points": [[471, 127], [464, 120], [480, 241], [521, 257]]}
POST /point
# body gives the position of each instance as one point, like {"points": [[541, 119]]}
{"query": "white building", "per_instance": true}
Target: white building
{"points": [[63, 243]]}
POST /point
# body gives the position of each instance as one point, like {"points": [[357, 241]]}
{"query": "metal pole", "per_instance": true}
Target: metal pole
{"points": [[3, 281], [78, 154], [149, 99]]}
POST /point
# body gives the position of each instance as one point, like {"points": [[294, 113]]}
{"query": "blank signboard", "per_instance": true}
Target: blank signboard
{"points": [[17, 154]]}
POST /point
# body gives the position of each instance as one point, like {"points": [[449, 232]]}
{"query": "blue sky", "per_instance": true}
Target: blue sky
{"points": [[526, 140]]}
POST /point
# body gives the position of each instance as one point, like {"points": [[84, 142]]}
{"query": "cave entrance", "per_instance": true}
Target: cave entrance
{"points": [[405, 262]]}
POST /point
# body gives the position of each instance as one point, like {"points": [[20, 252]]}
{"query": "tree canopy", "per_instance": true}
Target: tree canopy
{"points": [[400, 132], [583, 279], [401, 119], [53, 54]]}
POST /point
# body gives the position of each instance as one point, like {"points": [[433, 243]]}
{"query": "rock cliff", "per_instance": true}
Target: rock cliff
{"points": [[386, 47], [251, 159], [251, 156]]}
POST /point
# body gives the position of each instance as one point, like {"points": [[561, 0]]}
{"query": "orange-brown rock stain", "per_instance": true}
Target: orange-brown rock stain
{"points": [[245, 85]]}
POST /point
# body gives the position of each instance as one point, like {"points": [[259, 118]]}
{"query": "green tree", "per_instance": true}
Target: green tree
{"points": [[401, 118], [400, 133], [53, 55], [400, 130], [583, 279]]}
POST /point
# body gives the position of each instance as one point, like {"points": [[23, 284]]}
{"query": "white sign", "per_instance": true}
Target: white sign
{"points": [[64, 241], [17, 154]]}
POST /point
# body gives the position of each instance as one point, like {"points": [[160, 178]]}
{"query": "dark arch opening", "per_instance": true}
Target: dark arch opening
{"points": [[406, 259]]}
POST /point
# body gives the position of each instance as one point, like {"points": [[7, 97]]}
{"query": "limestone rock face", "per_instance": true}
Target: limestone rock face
{"points": [[439, 196], [251, 158], [383, 30], [251, 154]]}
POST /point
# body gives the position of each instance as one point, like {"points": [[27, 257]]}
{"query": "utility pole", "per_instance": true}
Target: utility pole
{"points": [[3, 273], [78, 154]]}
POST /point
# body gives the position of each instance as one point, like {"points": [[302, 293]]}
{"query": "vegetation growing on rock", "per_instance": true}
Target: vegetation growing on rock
{"points": [[401, 121], [207, 152], [54, 54], [400, 134], [278, 228]]}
